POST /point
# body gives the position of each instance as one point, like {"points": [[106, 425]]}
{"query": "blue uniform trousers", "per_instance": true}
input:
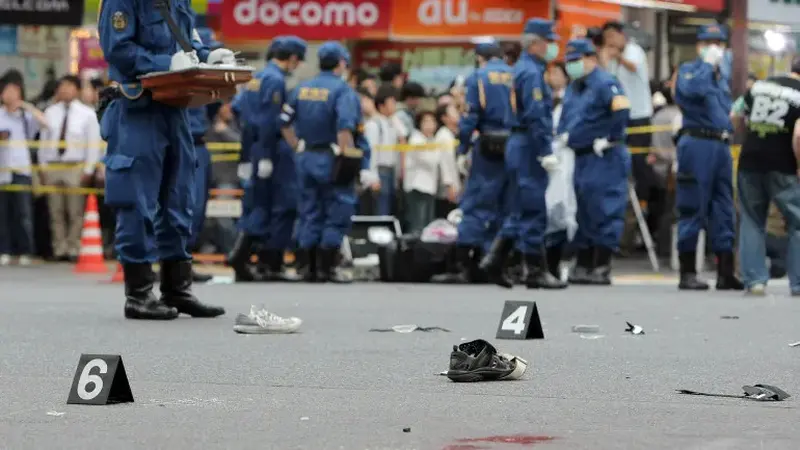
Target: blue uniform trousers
{"points": [[272, 202], [326, 210], [482, 202], [704, 193], [601, 190], [201, 183], [528, 220], [150, 179]]}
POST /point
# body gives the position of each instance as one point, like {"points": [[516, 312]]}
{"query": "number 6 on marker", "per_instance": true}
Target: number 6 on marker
{"points": [[516, 321], [86, 379]]}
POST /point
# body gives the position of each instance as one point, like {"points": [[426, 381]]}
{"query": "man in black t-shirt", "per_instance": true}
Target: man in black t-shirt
{"points": [[768, 172]]}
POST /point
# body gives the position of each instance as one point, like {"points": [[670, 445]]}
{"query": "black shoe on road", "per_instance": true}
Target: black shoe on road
{"points": [[140, 302], [479, 361], [176, 290]]}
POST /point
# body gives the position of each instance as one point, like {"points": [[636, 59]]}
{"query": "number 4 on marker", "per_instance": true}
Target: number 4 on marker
{"points": [[516, 321]]}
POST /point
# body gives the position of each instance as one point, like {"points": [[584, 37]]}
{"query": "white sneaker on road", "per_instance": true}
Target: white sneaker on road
{"points": [[25, 260], [261, 321], [5, 260]]}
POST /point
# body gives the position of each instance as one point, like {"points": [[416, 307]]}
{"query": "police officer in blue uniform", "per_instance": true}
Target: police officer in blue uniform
{"points": [[529, 157], [272, 178], [326, 114], [704, 188], [150, 164], [602, 162], [198, 125], [488, 93]]}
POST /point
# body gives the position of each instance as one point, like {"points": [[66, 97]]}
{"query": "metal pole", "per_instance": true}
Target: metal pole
{"points": [[739, 46]]}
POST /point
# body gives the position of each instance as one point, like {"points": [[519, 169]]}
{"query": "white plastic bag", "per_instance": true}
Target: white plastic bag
{"points": [[562, 205]]}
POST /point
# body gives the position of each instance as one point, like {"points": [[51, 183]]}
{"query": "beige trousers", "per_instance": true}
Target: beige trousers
{"points": [[66, 212]]}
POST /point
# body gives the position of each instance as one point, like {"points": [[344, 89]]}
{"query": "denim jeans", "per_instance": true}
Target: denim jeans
{"points": [[16, 219], [420, 210], [386, 197], [756, 191]]}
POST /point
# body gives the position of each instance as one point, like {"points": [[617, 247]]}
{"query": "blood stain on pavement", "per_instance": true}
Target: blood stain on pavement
{"points": [[521, 439], [464, 447]]}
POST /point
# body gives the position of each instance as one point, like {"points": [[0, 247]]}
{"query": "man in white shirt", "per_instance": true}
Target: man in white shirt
{"points": [[381, 132], [72, 145]]}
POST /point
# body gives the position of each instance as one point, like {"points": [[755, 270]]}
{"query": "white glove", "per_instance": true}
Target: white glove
{"points": [[714, 55], [264, 168], [244, 171], [222, 56], [336, 149], [600, 146], [183, 60], [301, 146], [462, 162], [455, 216], [562, 139], [368, 178], [549, 162]]}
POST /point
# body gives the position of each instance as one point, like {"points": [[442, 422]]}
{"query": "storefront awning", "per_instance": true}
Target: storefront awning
{"points": [[673, 5]]}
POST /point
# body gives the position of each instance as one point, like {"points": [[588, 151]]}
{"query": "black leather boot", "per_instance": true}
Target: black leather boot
{"points": [[688, 273], [306, 262], [176, 290], [538, 275], [726, 276], [464, 264], [494, 263], [601, 274], [273, 268], [239, 259], [140, 302], [330, 267], [554, 257], [584, 265], [318, 265]]}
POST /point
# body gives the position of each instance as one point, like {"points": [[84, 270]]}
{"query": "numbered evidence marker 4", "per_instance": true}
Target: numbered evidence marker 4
{"points": [[100, 380], [520, 320]]}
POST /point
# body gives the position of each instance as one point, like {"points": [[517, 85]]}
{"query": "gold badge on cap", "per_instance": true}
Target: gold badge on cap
{"points": [[119, 21]]}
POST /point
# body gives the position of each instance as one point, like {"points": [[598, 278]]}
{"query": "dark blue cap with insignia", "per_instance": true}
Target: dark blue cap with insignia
{"points": [[295, 46], [711, 33], [332, 51], [578, 48], [275, 45], [208, 38], [541, 27], [488, 48]]}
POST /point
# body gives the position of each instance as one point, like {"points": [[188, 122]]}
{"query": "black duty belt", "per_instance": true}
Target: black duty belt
{"points": [[590, 150], [705, 133], [320, 148], [519, 129], [199, 140]]}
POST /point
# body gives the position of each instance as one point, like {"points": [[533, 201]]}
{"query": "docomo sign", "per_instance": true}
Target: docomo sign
{"points": [[308, 19]]}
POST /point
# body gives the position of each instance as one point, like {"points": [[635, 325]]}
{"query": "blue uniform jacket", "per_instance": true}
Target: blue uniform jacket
{"points": [[136, 40], [267, 105], [533, 102], [569, 110], [245, 108], [198, 121], [602, 111], [703, 96], [488, 96]]}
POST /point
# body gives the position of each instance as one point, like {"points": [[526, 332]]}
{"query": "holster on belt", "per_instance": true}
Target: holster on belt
{"points": [[493, 144], [346, 164], [106, 96]]}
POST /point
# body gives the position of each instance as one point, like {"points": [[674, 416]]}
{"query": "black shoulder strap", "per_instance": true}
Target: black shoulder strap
{"points": [[163, 9]]}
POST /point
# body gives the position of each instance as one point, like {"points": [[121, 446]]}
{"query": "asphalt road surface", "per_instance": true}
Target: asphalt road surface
{"points": [[198, 385]]}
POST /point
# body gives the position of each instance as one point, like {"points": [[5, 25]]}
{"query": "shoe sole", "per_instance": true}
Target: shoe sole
{"points": [[254, 329], [460, 376]]}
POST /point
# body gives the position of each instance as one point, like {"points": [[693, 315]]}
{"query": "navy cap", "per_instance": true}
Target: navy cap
{"points": [[711, 33], [295, 46], [578, 48], [488, 48], [275, 45], [208, 38], [332, 51], [542, 28]]}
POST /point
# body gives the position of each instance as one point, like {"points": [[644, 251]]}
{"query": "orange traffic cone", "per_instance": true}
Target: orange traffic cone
{"points": [[90, 259], [119, 275]]}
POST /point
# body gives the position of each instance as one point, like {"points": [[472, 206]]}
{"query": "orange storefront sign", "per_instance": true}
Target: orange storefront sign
{"points": [[576, 16], [463, 19]]}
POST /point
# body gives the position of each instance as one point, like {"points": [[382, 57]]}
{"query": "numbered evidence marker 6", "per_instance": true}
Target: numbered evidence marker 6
{"points": [[520, 320], [100, 380]]}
